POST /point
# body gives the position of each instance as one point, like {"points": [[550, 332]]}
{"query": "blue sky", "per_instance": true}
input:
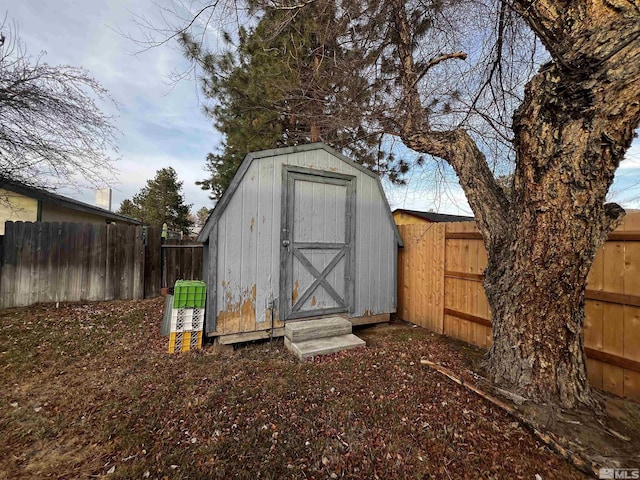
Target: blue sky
{"points": [[163, 124]]}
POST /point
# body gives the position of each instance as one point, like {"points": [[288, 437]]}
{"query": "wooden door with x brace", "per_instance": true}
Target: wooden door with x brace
{"points": [[317, 260]]}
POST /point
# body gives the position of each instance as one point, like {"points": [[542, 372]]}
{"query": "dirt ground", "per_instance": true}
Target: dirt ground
{"points": [[609, 438], [89, 392]]}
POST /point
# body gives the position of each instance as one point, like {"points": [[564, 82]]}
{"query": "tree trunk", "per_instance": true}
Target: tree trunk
{"points": [[535, 287], [571, 134], [576, 122]]}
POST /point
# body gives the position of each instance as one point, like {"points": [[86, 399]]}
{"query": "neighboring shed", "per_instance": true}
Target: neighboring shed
{"points": [[300, 232], [410, 217]]}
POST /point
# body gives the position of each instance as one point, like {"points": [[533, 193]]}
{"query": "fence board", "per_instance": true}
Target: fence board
{"points": [[631, 385], [8, 264], [85, 261], [631, 333], [51, 262], [23, 266], [612, 308], [152, 259], [463, 300], [53, 267], [138, 264], [631, 223], [98, 264], [187, 255], [110, 281], [421, 264], [34, 270], [123, 287], [72, 248], [613, 275], [66, 251], [44, 276], [400, 308], [77, 252], [181, 260], [129, 235]]}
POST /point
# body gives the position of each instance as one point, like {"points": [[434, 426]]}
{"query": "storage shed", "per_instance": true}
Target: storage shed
{"points": [[301, 232]]}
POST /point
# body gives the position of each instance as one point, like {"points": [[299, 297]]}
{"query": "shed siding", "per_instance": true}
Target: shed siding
{"points": [[248, 257], [265, 246]]}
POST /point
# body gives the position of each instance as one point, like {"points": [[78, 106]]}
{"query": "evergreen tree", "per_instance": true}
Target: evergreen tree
{"points": [[159, 202], [202, 215], [128, 208], [280, 87]]}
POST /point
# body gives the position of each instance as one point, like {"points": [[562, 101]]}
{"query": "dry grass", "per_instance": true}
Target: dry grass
{"points": [[88, 391]]}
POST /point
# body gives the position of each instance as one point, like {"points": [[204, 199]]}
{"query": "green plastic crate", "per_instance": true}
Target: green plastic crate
{"points": [[189, 294]]}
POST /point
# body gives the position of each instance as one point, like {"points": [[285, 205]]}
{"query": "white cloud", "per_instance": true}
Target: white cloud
{"points": [[162, 125], [141, 168]]}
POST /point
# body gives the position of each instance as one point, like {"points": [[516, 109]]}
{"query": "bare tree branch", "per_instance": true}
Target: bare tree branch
{"points": [[51, 129], [486, 197]]}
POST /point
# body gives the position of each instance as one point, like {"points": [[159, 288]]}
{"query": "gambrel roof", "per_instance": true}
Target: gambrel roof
{"points": [[250, 157]]}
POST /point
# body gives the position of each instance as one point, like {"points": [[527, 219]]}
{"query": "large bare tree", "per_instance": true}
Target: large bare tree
{"points": [[448, 76], [51, 129], [571, 131]]}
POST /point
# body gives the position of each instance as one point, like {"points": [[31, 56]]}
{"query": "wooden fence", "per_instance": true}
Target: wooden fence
{"points": [[60, 262], [440, 273], [181, 259]]}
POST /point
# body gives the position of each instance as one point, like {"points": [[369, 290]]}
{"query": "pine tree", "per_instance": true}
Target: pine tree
{"points": [[280, 87], [128, 208], [159, 202], [202, 215]]}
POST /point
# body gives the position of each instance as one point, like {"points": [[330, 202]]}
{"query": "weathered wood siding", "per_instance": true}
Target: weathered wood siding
{"points": [[420, 274], [52, 262], [248, 247], [181, 260]]}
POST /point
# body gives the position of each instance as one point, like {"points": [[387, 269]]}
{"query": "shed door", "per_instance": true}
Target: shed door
{"points": [[317, 243]]}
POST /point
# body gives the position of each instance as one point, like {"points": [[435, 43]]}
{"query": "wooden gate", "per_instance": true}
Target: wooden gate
{"points": [[181, 260], [318, 237]]}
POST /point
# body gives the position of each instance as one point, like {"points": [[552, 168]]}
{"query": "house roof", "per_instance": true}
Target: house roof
{"points": [[435, 217], [64, 202], [250, 157]]}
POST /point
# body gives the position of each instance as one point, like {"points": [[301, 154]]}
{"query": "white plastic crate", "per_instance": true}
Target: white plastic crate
{"points": [[187, 319]]}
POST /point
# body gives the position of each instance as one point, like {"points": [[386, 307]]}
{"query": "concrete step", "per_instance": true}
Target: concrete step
{"points": [[313, 329], [323, 346]]}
